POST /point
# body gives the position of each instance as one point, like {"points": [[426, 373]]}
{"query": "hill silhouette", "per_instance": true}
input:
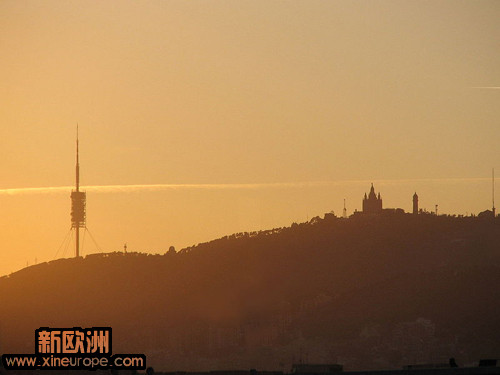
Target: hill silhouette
{"points": [[371, 291]]}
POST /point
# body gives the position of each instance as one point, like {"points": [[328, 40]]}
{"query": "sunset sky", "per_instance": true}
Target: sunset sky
{"points": [[259, 113]]}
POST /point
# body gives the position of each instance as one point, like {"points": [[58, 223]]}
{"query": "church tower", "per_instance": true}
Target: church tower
{"points": [[415, 204], [372, 204]]}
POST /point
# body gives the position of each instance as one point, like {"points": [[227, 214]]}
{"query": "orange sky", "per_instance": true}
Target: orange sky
{"points": [[316, 98]]}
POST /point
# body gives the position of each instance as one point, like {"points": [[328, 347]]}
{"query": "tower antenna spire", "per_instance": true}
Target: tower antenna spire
{"points": [[77, 162], [78, 199], [493, 189]]}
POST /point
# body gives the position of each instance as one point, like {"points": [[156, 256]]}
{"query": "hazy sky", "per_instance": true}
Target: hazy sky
{"points": [[280, 95]]}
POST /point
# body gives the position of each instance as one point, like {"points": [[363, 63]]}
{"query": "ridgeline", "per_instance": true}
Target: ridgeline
{"points": [[369, 292]]}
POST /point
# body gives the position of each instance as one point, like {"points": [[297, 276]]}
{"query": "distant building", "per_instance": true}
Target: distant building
{"points": [[372, 204], [393, 211], [487, 214], [415, 204], [308, 368]]}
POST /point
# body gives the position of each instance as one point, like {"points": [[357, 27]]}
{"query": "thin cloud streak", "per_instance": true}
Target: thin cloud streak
{"points": [[256, 186]]}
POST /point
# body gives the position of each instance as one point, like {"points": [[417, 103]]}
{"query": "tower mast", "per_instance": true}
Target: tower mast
{"points": [[77, 183], [77, 163], [493, 189], [78, 199]]}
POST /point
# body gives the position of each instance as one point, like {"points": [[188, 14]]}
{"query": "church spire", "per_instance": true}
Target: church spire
{"points": [[372, 203], [372, 194]]}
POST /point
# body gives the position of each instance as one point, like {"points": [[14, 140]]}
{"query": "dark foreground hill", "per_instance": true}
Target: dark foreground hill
{"points": [[367, 292]]}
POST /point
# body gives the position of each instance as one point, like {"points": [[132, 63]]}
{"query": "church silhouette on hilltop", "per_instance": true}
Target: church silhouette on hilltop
{"points": [[372, 203]]}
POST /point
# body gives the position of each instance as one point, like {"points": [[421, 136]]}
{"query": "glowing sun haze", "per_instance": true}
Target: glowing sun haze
{"points": [[280, 110]]}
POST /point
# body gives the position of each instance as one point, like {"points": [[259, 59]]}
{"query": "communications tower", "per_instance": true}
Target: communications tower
{"points": [[493, 190], [78, 199]]}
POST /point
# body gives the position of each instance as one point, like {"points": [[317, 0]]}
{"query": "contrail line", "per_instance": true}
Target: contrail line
{"points": [[235, 186]]}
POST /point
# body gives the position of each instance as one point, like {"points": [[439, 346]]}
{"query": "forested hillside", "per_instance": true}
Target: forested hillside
{"points": [[367, 292]]}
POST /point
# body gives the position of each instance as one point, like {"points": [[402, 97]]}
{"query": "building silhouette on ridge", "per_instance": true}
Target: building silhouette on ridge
{"points": [[372, 204]]}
